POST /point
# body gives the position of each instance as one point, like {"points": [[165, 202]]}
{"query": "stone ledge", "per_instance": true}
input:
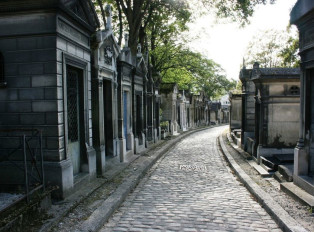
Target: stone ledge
{"points": [[298, 194]]}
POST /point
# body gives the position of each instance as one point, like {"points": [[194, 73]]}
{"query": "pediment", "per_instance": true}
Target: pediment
{"points": [[108, 40], [84, 10], [108, 48], [141, 65]]}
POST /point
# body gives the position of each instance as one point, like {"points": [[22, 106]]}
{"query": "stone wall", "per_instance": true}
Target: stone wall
{"points": [[39, 47], [235, 111]]}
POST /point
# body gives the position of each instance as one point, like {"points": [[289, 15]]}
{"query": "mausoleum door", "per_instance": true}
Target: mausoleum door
{"points": [[74, 114], [309, 118], [139, 118], [108, 117], [178, 115], [125, 113], [257, 126]]}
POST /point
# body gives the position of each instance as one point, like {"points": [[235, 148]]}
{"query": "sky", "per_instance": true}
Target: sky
{"points": [[226, 43]]}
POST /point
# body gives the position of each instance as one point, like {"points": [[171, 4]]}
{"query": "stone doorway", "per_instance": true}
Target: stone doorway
{"points": [[257, 127], [75, 116], [126, 120], [108, 121], [139, 119], [309, 118]]}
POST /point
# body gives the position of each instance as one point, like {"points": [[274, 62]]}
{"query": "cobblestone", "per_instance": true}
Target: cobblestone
{"points": [[191, 189]]}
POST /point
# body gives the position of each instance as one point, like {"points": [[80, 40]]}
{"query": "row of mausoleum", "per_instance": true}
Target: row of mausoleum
{"points": [[182, 110], [271, 118], [71, 100]]}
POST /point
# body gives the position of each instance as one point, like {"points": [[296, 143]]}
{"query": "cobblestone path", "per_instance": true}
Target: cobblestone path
{"points": [[191, 189]]}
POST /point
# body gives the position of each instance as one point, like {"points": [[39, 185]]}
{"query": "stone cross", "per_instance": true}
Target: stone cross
{"points": [[108, 15], [126, 40], [139, 48]]}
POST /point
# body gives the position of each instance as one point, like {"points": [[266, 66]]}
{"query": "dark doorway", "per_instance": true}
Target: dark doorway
{"points": [[179, 116], [139, 118], [108, 117], [75, 116], [309, 117], [257, 126], [125, 118]]}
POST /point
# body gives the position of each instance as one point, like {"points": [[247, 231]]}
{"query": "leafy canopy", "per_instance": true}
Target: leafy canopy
{"points": [[274, 48], [158, 26]]}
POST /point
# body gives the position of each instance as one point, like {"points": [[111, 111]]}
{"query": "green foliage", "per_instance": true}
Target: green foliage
{"points": [[237, 10], [274, 48], [191, 70], [164, 125], [158, 25], [289, 53]]}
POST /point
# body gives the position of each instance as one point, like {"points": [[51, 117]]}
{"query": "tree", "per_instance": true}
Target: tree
{"points": [[236, 10], [273, 48], [138, 14], [290, 53], [190, 70]]}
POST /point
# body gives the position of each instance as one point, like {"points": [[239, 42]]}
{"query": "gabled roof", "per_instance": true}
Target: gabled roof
{"points": [[275, 73], [141, 64], [81, 10]]}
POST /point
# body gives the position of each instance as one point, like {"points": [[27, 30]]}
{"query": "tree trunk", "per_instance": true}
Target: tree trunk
{"points": [[120, 23], [103, 15]]}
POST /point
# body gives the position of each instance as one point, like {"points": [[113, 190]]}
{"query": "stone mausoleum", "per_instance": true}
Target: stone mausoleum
{"points": [[302, 15], [169, 93], [235, 110], [277, 99], [46, 48], [105, 95], [248, 109]]}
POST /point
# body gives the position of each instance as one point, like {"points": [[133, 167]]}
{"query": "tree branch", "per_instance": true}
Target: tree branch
{"points": [[103, 15]]}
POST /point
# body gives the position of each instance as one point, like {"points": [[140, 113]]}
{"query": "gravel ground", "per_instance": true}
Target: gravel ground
{"points": [[299, 212]]}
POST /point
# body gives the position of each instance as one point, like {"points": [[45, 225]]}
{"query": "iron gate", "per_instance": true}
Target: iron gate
{"points": [[73, 110]]}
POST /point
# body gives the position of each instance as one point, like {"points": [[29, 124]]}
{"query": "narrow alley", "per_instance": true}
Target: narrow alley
{"points": [[191, 189]]}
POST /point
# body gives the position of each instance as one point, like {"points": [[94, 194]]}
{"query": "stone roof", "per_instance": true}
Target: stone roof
{"points": [[234, 95], [245, 74], [301, 9], [82, 11], [275, 73]]}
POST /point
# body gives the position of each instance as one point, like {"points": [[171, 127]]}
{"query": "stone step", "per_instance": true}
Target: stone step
{"points": [[298, 194], [306, 183], [246, 155], [260, 169], [270, 163], [286, 170], [268, 169], [277, 176]]}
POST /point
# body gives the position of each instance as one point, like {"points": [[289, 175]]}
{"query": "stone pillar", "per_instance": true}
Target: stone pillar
{"points": [[301, 159], [121, 139], [98, 125]]}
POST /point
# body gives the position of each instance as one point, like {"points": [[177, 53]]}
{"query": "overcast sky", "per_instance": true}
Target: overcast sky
{"points": [[226, 43]]}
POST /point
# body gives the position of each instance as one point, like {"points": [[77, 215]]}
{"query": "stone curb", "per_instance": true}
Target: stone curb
{"points": [[282, 218], [99, 217]]}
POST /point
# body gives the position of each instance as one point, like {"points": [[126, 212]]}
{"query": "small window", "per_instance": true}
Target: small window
{"points": [[2, 80], [294, 90]]}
